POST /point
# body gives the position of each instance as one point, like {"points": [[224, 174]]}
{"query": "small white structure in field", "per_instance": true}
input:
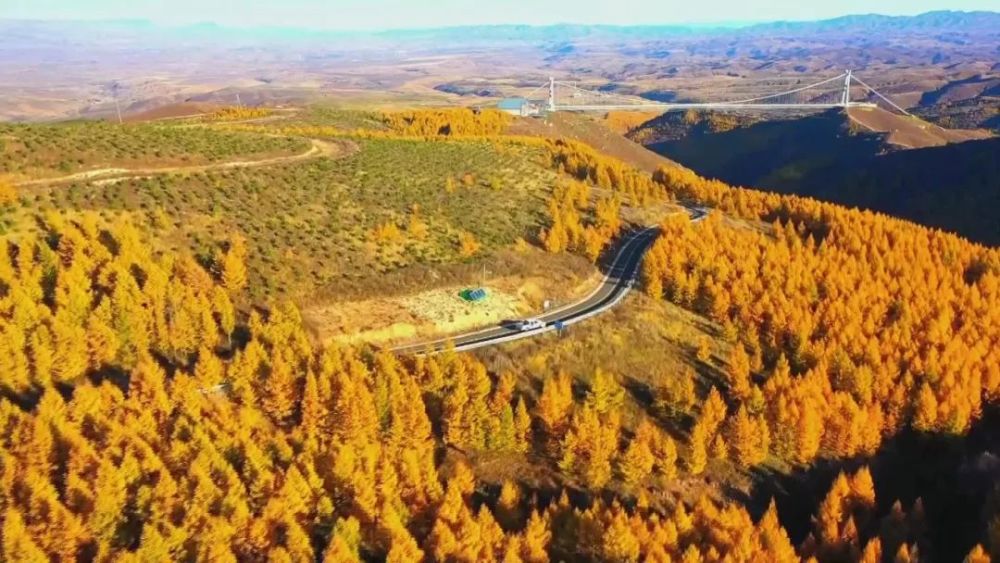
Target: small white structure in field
{"points": [[518, 106]]}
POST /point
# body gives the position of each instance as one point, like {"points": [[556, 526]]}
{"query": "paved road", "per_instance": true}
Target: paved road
{"points": [[616, 284]]}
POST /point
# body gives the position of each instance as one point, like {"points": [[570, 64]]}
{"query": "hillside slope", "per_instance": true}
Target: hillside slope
{"points": [[777, 154], [963, 89], [594, 133], [859, 160], [910, 132], [955, 187], [152, 412]]}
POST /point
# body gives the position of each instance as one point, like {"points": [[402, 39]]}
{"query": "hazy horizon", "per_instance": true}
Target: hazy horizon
{"points": [[398, 15]]}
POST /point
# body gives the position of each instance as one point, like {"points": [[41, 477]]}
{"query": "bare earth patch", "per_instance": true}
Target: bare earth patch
{"points": [[441, 311], [448, 312]]}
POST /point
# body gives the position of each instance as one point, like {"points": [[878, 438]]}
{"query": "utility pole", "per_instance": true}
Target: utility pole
{"points": [[552, 94]]}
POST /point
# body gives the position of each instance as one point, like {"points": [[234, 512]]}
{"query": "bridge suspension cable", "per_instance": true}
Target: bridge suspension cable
{"points": [[818, 98], [790, 92], [602, 95], [879, 94], [535, 91]]}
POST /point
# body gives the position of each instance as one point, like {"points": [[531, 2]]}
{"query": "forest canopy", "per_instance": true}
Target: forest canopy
{"points": [[151, 410]]}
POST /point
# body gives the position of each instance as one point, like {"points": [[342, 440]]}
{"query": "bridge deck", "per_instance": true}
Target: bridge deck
{"points": [[677, 107]]}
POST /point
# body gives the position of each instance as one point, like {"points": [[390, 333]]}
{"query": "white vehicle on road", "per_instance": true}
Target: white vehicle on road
{"points": [[529, 324]]}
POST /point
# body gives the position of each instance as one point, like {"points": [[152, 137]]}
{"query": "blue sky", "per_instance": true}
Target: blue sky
{"points": [[389, 14]]}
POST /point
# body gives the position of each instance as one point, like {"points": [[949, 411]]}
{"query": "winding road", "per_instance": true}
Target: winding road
{"points": [[617, 282]]}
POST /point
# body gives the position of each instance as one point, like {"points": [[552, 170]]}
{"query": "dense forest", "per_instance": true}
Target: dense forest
{"points": [[152, 412]]}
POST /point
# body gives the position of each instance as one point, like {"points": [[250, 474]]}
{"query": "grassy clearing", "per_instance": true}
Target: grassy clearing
{"points": [[326, 226], [40, 151], [385, 320], [517, 281]]}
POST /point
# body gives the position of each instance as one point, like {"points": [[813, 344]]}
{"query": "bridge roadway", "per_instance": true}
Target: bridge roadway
{"points": [[586, 100], [614, 287], [717, 106]]}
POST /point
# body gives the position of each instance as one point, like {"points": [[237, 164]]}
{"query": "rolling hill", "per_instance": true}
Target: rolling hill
{"points": [[594, 133], [163, 396], [954, 187], [872, 159]]}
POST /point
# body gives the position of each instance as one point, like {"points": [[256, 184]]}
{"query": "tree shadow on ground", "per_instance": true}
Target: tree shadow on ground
{"points": [[955, 476]]}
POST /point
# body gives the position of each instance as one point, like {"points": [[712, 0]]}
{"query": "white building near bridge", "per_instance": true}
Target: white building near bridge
{"points": [[518, 106]]}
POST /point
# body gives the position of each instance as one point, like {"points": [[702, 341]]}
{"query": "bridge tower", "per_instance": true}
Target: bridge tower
{"points": [[845, 98], [552, 94]]}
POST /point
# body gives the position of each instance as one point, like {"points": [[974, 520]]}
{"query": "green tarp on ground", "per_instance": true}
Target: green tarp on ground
{"points": [[473, 295]]}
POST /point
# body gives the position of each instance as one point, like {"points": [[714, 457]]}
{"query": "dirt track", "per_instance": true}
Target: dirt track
{"points": [[329, 149]]}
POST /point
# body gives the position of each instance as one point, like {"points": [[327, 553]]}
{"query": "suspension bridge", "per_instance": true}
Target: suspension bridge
{"points": [[845, 90]]}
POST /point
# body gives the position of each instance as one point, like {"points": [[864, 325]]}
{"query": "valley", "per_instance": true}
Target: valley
{"points": [[874, 160]]}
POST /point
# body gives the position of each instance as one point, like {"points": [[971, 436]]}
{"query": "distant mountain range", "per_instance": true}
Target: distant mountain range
{"points": [[69, 69], [982, 20], [979, 20]]}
